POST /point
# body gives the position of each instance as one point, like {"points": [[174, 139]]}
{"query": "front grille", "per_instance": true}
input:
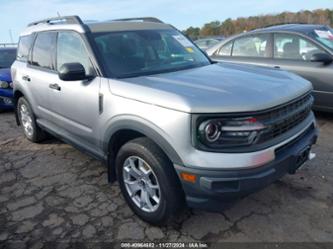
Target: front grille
{"points": [[284, 118], [294, 141], [5, 101]]}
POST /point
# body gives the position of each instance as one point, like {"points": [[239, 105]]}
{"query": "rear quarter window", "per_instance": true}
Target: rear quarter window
{"points": [[24, 47]]}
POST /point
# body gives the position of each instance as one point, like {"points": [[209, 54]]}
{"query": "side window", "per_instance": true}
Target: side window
{"points": [[294, 47], [225, 50], [71, 49], [211, 42], [201, 43], [252, 46], [42, 52], [24, 47]]}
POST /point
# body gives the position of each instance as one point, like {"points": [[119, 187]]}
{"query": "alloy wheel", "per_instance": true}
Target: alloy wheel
{"points": [[141, 184], [26, 120]]}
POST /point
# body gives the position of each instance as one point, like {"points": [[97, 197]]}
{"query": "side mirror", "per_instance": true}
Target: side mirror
{"points": [[322, 57], [72, 72]]}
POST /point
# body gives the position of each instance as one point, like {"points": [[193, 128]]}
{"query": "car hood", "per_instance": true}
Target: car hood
{"points": [[216, 88], [5, 74]]}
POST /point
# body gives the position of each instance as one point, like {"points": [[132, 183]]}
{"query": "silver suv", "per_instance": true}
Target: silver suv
{"points": [[173, 127]]}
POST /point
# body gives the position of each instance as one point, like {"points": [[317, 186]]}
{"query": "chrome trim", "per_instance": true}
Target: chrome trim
{"points": [[243, 128]]}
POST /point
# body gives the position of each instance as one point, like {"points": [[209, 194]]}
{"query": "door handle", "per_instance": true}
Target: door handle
{"points": [[26, 78], [55, 87], [277, 67]]}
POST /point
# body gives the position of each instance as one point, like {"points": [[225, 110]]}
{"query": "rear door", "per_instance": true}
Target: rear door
{"points": [[75, 104], [250, 49], [40, 72], [293, 53]]}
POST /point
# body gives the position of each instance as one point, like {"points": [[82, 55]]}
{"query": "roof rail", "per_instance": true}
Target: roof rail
{"points": [[59, 20], [143, 19]]}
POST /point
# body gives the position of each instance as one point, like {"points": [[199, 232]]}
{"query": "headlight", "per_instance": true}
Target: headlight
{"points": [[11, 85], [224, 133], [4, 84]]}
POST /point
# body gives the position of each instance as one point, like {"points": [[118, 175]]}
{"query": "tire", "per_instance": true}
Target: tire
{"points": [[166, 186], [28, 122]]}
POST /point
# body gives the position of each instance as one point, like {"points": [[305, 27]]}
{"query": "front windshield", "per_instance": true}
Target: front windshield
{"points": [[145, 52], [7, 57], [325, 37]]}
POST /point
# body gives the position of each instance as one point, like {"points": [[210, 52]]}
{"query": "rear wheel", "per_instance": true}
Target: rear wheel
{"points": [[148, 181], [28, 121]]}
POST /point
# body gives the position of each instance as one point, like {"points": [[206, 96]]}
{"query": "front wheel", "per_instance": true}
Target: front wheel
{"points": [[28, 121], [148, 181]]}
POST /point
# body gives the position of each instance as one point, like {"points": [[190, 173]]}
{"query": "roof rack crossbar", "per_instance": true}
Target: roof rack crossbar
{"points": [[60, 19], [144, 19]]}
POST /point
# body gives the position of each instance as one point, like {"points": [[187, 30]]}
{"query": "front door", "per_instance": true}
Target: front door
{"points": [[75, 103]]}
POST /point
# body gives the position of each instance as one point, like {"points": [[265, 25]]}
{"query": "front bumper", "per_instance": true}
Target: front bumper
{"points": [[6, 99], [215, 188]]}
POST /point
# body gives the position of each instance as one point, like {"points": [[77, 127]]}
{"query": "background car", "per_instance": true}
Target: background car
{"points": [[208, 42], [300, 48], [7, 57]]}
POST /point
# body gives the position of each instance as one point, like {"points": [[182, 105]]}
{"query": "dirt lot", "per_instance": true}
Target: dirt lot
{"points": [[53, 192]]}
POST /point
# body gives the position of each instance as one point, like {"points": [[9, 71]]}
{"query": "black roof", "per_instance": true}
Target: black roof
{"points": [[300, 28], [125, 26]]}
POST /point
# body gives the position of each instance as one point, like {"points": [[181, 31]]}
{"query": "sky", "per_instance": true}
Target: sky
{"points": [[16, 14]]}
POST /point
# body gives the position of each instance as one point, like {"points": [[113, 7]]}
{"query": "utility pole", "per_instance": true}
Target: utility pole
{"points": [[11, 36]]}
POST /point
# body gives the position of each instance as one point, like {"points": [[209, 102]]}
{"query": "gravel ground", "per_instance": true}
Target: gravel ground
{"points": [[53, 192]]}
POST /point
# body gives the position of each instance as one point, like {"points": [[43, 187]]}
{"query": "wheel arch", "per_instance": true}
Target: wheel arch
{"points": [[17, 94], [124, 130]]}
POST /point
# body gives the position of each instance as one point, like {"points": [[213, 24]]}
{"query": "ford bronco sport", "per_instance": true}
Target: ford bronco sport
{"points": [[173, 127]]}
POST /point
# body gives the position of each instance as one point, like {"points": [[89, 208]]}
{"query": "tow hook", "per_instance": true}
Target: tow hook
{"points": [[305, 155], [312, 155]]}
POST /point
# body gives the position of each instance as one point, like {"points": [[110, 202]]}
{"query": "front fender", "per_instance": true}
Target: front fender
{"points": [[145, 127]]}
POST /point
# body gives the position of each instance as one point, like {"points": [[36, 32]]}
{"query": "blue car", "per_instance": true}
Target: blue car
{"points": [[7, 57]]}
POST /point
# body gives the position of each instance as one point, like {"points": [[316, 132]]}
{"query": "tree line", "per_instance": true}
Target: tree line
{"points": [[243, 24]]}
